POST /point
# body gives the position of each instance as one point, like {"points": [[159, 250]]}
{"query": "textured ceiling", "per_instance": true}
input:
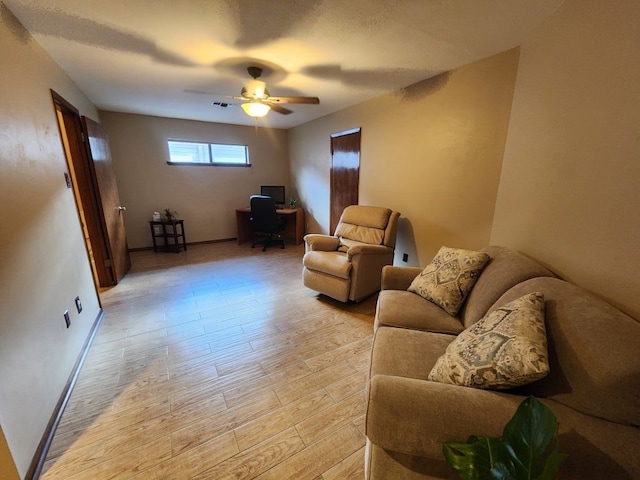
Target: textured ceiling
{"points": [[150, 56]]}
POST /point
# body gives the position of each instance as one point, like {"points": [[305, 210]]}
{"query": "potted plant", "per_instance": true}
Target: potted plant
{"points": [[170, 215], [527, 449], [292, 202]]}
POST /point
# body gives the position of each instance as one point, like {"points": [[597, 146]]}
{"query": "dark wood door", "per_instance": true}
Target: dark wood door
{"points": [[112, 210], [345, 173]]}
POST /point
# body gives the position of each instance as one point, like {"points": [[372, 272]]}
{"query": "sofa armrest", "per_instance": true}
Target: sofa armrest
{"points": [[398, 278], [319, 242], [415, 417]]}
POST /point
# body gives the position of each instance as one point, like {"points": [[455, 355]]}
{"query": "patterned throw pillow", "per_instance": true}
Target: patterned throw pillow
{"points": [[449, 277], [506, 349]]}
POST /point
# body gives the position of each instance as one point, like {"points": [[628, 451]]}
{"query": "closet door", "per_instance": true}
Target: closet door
{"points": [[345, 173], [112, 210]]}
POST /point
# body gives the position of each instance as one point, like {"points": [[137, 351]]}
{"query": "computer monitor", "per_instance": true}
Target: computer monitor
{"points": [[274, 191]]}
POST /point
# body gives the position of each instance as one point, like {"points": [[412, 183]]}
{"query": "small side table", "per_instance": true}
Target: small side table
{"points": [[173, 238]]}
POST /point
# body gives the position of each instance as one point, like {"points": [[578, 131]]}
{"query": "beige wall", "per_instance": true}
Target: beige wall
{"points": [[43, 260], [566, 193], [570, 189], [205, 197], [432, 151]]}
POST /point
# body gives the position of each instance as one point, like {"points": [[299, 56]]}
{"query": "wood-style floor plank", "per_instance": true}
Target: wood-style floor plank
{"points": [[218, 363]]}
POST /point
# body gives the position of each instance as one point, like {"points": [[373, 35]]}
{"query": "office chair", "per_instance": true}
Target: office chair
{"points": [[265, 220]]}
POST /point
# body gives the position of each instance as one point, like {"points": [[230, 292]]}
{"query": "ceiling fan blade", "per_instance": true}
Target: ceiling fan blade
{"points": [[202, 92], [278, 108], [307, 100], [213, 94]]}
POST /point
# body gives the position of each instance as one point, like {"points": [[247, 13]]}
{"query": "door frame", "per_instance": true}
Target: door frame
{"points": [[84, 185]]}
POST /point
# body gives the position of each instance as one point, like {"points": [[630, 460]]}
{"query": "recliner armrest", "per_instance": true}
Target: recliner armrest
{"points": [[319, 242], [398, 278], [416, 417], [365, 249]]}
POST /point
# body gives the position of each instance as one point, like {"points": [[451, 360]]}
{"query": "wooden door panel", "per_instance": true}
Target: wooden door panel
{"points": [[100, 155], [345, 173]]}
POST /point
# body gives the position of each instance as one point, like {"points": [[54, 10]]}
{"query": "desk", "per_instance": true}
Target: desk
{"points": [[165, 235], [294, 228]]}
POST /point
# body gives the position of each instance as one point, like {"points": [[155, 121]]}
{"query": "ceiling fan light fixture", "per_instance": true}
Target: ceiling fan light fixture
{"points": [[256, 89], [256, 109]]}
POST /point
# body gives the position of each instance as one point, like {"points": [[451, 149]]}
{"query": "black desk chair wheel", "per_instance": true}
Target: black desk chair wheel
{"points": [[265, 221]]}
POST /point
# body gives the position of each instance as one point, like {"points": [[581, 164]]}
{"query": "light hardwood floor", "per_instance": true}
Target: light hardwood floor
{"points": [[218, 363]]}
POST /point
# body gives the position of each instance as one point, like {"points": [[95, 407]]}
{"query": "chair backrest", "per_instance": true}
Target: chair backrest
{"points": [[263, 214], [367, 224]]}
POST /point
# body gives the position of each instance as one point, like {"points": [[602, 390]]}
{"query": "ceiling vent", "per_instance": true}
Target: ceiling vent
{"points": [[222, 104]]}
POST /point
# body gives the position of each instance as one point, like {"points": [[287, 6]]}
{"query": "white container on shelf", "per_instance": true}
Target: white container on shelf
{"points": [[156, 218]]}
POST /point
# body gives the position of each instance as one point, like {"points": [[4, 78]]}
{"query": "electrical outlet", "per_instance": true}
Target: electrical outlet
{"points": [[405, 257], [67, 320], [78, 305]]}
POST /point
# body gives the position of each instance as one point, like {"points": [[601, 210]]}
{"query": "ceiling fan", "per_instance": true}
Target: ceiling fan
{"points": [[257, 101]]}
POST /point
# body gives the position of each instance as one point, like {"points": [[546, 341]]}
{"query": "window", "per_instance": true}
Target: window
{"points": [[203, 153]]}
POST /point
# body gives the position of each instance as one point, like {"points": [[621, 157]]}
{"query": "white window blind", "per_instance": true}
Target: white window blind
{"points": [[199, 153]]}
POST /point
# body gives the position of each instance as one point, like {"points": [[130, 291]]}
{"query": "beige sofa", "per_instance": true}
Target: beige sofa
{"points": [[593, 386]]}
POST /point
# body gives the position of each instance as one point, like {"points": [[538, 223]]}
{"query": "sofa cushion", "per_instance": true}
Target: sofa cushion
{"points": [[507, 348], [397, 308], [505, 269], [332, 263], [406, 353], [449, 277]]}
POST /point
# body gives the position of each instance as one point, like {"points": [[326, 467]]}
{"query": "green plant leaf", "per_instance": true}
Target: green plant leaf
{"points": [[531, 429], [527, 449], [473, 460], [552, 466], [527, 438]]}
